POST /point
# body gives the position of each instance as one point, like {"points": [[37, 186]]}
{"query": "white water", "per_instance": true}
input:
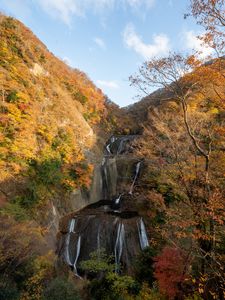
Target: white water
{"points": [[103, 161], [67, 253], [113, 139], [119, 246], [142, 234], [54, 210], [117, 201], [108, 149], [135, 177], [77, 256], [72, 225]]}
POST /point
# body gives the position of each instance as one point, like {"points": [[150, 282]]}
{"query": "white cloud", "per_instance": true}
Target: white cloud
{"points": [[108, 84], [61, 9], [192, 42], [139, 3], [101, 44], [66, 9], [159, 47], [18, 8]]}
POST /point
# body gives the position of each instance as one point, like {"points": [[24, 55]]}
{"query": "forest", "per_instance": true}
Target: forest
{"points": [[60, 136]]}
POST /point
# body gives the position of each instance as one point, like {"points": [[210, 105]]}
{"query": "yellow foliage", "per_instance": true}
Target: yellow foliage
{"points": [[43, 270]]}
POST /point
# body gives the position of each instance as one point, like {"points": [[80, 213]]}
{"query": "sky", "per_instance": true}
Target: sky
{"points": [[109, 39]]}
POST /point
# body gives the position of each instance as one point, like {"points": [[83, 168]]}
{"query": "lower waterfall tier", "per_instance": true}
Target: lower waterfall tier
{"points": [[121, 234]]}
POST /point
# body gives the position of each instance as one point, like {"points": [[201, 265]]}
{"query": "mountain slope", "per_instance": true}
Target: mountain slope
{"points": [[49, 118]]}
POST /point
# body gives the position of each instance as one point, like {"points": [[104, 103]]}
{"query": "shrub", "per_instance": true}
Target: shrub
{"points": [[48, 171], [60, 288], [12, 97], [113, 287], [80, 97], [8, 290], [98, 262], [15, 209], [144, 266]]}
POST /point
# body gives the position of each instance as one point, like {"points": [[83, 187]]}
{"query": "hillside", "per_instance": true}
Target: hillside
{"points": [[49, 118]]}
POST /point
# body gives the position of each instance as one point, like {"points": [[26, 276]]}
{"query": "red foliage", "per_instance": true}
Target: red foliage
{"points": [[170, 271], [23, 106]]}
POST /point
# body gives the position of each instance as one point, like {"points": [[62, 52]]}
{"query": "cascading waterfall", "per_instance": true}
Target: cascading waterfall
{"points": [[101, 221], [142, 234], [135, 177], [119, 246], [67, 243], [77, 256]]}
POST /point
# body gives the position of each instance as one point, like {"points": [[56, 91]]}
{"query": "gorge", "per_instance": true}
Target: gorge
{"points": [[105, 203], [109, 224]]}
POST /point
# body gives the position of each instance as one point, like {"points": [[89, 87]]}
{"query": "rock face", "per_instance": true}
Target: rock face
{"points": [[112, 223]]}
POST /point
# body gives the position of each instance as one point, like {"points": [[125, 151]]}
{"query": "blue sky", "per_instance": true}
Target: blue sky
{"points": [[109, 39]]}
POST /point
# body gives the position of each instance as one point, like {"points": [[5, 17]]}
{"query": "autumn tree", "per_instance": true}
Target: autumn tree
{"points": [[171, 270], [174, 74], [184, 134], [211, 15]]}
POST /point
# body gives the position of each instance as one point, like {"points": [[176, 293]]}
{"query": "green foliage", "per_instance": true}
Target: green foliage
{"points": [[144, 266], [122, 284], [110, 286], [60, 288], [48, 171], [98, 262], [9, 23], [149, 294], [169, 193], [196, 296], [89, 115], [8, 289], [15, 209], [80, 97], [12, 97], [113, 287]]}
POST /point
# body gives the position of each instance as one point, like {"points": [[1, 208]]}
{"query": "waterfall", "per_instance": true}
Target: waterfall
{"points": [[117, 201], [108, 146], [113, 139], [135, 177], [108, 149], [98, 242], [67, 242], [142, 234], [103, 223], [103, 161], [72, 225], [119, 246], [54, 212], [77, 256], [104, 178], [121, 145]]}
